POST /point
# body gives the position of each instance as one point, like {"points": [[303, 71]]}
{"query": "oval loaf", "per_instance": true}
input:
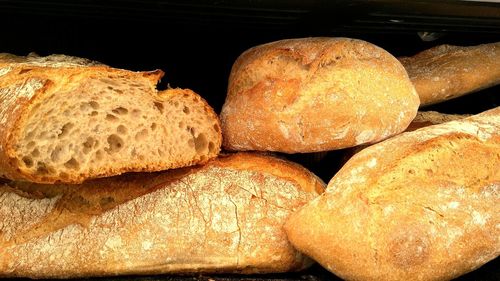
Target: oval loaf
{"points": [[315, 94], [424, 205]]}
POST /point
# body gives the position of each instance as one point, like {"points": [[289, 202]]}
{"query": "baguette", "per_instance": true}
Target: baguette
{"points": [[424, 205], [446, 72], [226, 216], [66, 119], [315, 94]]}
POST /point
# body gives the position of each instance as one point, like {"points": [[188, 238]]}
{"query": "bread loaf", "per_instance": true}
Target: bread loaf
{"points": [[445, 72], [315, 94], [423, 119], [226, 216], [424, 205], [66, 119]]}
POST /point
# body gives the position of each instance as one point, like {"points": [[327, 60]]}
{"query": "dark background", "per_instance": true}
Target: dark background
{"points": [[196, 42]]}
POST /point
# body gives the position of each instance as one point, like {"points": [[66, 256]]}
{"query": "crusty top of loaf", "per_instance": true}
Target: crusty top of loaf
{"points": [[427, 118], [422, 205], [223, 216], [83, 199], [315, 94], [480, 128], [445, 71], [35, 91], [55, 60]]}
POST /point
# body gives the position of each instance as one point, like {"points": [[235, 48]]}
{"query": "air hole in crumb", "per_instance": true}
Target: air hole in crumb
{"points": [[120, 110], [136, 112], [28, 161], [153, 126], [141, 135], [30, 135], [51, 170], [182, 124], [66, 129], [30, 145], [216, 128], [55, 155], [99, 155], [35, 152], [94, 113], [185, 110], [338, 57], [94, 104], [115, 144], [72, 164], [88, 145], [159, 106], [211, 147], [41, 168], [200, 143], [176, 103], [63, 175], [191, 130], [111, 117], [122, 130]]}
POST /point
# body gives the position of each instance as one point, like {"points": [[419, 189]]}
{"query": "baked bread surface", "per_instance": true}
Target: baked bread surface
{"points": [[424, 205], [67, 119], [446, 72], [315, 94], [226, 216]]}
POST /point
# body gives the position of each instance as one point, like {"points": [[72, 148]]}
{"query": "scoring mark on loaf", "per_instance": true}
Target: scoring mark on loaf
{"points": [[5, 70], [235, 214]]}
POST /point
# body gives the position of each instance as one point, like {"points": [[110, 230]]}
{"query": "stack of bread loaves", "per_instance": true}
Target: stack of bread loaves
{"points": [[65, 120], [422, 204]]}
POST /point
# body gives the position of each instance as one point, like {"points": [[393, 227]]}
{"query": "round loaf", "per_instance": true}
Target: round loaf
{"points": [[315, 94]]}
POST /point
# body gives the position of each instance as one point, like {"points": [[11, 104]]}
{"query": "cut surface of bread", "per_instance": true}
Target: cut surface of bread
{"points": [[66, 122], [225, 216]]}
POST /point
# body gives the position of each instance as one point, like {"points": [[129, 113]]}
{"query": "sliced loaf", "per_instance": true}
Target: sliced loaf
{"points": [[66, 119]]}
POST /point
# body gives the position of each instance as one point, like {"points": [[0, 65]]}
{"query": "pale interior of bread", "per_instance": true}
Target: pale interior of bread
{"points": [[113, 122]]}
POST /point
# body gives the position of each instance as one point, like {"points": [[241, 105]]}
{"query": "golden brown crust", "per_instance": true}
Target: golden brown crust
{"points": [[445, 72], [421, 206], [423, 119], [26, 82], [315, 94], [225, 216], [429, 118], [275, 166]]}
